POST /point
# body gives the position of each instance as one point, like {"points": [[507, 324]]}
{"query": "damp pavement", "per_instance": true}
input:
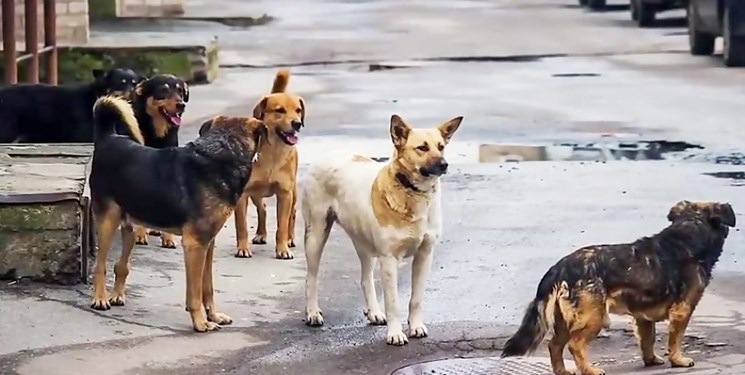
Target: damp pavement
{"points": [[534, 72]]}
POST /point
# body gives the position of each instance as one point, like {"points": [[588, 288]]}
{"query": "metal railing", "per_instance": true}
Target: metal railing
{"points": [[32, 51]]}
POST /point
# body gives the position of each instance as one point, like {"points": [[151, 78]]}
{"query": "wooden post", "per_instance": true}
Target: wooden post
{"points": [[32, 40], [50, 40], [9, 41]]}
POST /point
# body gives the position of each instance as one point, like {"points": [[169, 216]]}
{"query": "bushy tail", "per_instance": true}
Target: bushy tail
{"points": [[539, 318], [281, 81], [111, 115]]}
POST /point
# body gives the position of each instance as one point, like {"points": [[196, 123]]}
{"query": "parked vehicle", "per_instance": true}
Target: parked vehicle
{"points": [[709, 19], [644, 12]]}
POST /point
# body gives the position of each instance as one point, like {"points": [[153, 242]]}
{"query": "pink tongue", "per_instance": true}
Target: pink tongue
{"points": [[292, 139], [176, 120]]}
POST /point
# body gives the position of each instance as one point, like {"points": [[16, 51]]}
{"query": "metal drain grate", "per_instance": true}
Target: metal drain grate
{"points": [[479, 366]]}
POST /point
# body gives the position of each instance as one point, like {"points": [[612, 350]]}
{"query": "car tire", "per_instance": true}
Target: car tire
{"points": [[596, 4], [734, 46], [645, 13], [699, 43], [634, 10]]}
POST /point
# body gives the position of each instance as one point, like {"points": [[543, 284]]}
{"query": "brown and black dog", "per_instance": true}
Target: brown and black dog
{"points": [[653, 279], [189, 191], [275, 171], [159, 102]]}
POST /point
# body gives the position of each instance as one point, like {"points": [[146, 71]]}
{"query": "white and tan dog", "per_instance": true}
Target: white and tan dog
{"points": [[390, 211]]}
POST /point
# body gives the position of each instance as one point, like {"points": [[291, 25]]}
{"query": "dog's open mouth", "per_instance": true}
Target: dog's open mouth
{"points": [[173, 118], [288, 137]]}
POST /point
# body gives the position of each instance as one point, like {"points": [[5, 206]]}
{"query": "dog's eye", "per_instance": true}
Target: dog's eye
{"points": [[423, 148], [440, 146], [298, 110], [281, 110]]}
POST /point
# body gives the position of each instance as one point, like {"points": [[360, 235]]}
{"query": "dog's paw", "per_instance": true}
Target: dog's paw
{"points": [[100, 303], [116, 299], [140, 239], [284, 254], [397, 338], [243, 253], [654, 361], [154, 232], [314, 318], [418, 331], [375, 317], [219, 318], [259, 239], [206, 326], [594, 371], [681, 361], [167, 242], [291, 243]]}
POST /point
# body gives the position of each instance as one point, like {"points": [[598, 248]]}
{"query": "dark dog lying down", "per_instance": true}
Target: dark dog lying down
{"points": [[652, 279], [41, 113], [189, 191]]}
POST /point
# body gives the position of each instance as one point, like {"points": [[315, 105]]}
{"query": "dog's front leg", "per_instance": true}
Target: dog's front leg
{"points": [[284, 203], [140, 234], [420, 268], [167, 240], [241, 227], [679, 316], [208, 290], [195, 255], [389, 271]]}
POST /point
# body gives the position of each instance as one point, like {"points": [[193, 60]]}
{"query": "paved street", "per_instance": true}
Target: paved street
{"points": [[508, 67]]}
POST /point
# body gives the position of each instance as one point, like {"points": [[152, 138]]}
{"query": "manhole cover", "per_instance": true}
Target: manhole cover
{"points": [[479, 366]]}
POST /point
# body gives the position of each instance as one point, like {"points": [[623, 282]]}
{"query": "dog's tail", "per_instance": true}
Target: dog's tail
{"points": [[111, 115], [281, 81], [539, 316]]}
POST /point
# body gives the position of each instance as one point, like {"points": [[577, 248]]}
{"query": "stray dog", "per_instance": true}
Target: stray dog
{"points": [[189, 191], [275, 171], [159, 102], [389, 213], [42, 113], [656, 278]]}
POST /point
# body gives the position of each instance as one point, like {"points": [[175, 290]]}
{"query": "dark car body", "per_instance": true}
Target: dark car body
{"points": [[644, 12], [710, 19]]}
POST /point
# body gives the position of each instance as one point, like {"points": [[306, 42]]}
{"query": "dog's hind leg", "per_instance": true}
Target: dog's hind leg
{"points": [[241, 228], [373, 312], [317, 229], [208, 290], [587, 317], [260, 237], [284, 207], [167, 240], [140, 234], [293, 215], [121, 269], [557, 344], [106, 219], [645, 333]]}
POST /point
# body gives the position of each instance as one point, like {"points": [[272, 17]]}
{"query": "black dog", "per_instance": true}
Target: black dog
{"points": [[42, 113], [189, 190], [653, 279], [158, 103]]}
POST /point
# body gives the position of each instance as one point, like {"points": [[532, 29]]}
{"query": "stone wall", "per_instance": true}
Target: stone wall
{"points": [[72, 23], [149, 8]]}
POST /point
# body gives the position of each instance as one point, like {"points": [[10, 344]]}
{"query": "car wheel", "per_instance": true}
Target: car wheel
{"points": [[596, 4], [645, 13], [699, 44], [633, 6], [582, 3], [734, 45]]}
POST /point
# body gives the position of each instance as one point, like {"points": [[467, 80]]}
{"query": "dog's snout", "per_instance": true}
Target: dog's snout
{"points": [[180, 106], [297, 124], [442, 165]]}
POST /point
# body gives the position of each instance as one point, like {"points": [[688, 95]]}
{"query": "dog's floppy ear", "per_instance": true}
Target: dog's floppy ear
{"points": [[260, 108], [98, 74], [302, 111], [399, 131], [677, 210], [448, 129], [722, 213]]}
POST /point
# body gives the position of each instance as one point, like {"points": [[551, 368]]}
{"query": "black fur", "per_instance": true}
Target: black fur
{"points": [[42, 113]]}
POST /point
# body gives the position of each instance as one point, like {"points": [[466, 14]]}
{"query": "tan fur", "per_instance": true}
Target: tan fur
{"points": [[362, 158], [128, 114]]}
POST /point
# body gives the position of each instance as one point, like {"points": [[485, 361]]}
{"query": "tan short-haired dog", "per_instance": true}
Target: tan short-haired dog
{"points": [[390, 211], [275, 171]]}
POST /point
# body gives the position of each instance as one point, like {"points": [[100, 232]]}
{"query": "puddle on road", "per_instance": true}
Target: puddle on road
{"points": [[738, 178], [573, 75]]}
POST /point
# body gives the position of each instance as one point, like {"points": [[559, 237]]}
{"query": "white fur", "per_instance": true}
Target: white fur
{"points": [[344, 189]]}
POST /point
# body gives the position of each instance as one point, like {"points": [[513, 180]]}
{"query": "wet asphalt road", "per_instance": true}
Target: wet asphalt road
{"points": [[504, 223]]}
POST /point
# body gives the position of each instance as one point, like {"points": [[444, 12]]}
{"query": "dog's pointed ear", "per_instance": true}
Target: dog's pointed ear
{"points": [[447, 129], [139, 89], [302, 111], [186, 92], [98, 74], [399, 131], [677, 210], [260, 108], [723, 213]]}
